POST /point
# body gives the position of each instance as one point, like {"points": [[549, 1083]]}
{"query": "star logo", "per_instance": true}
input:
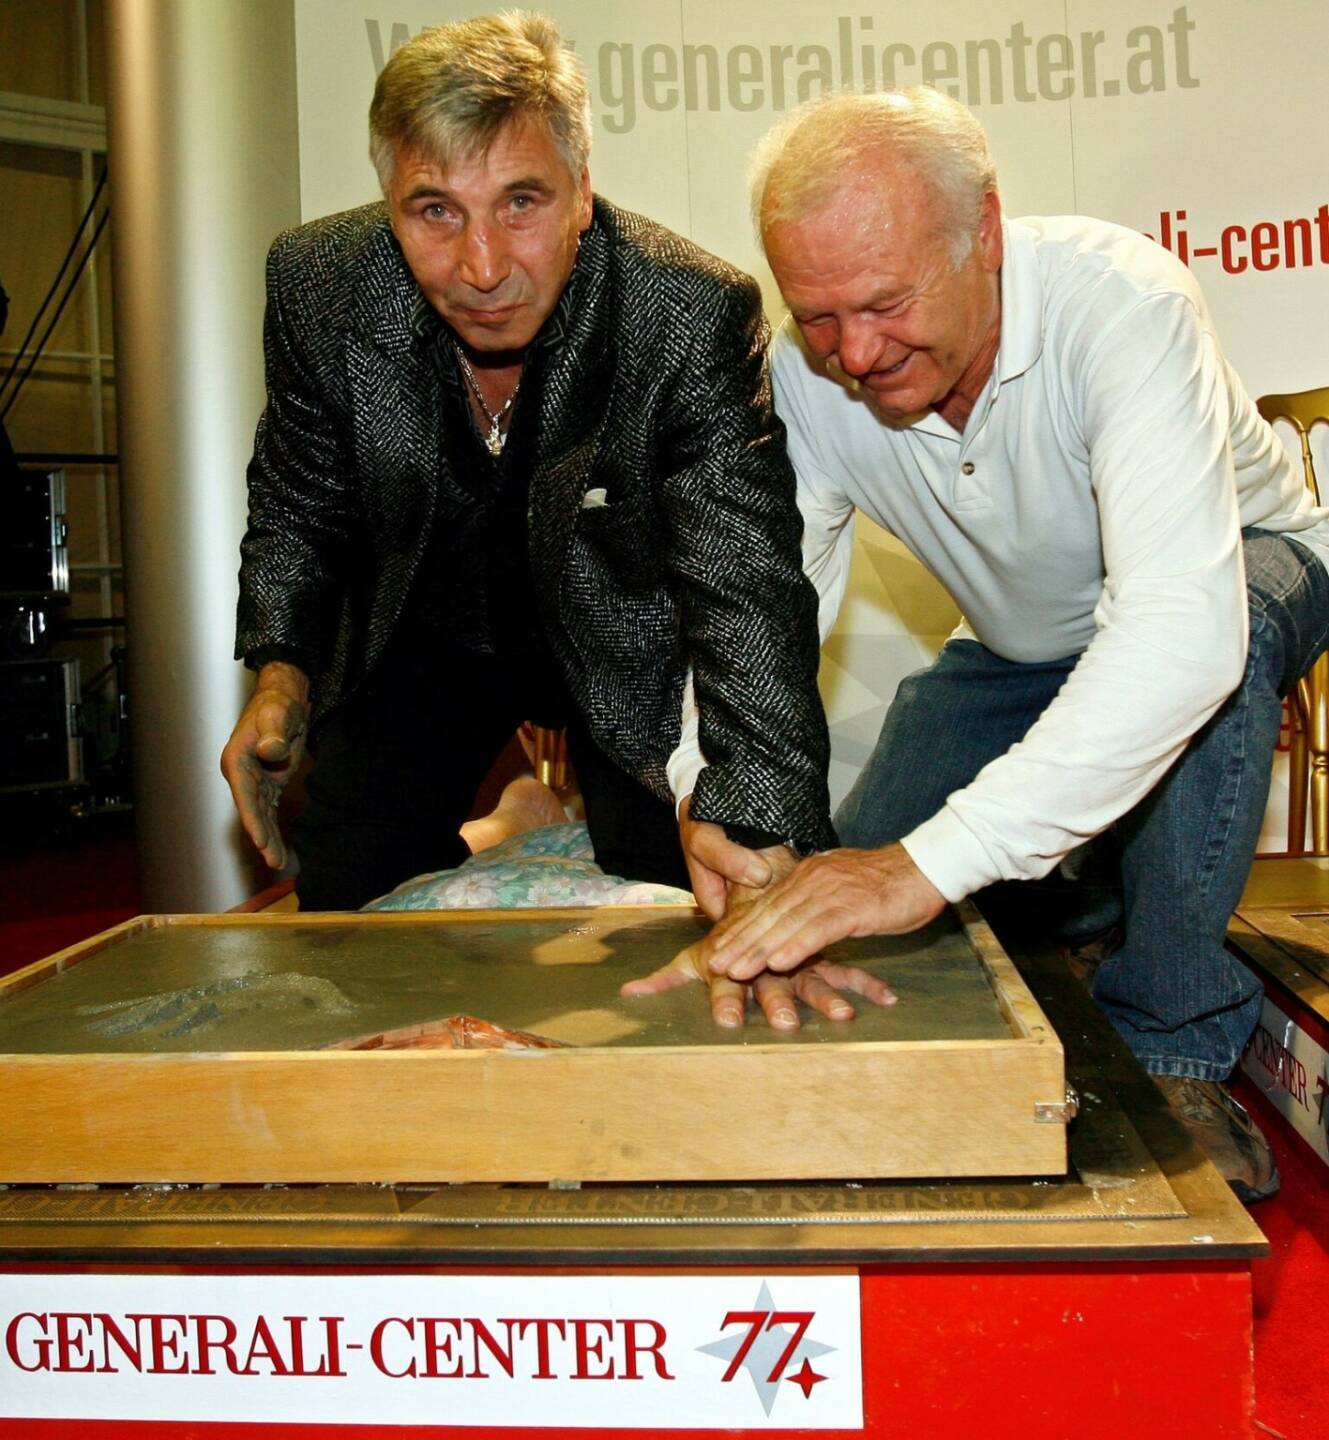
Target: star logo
{"points": [[768, 1343], [805, 1377]]}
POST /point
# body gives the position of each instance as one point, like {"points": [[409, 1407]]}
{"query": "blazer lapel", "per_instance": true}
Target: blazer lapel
{"points": [[394, 319], [397, 413], [574, 405]]}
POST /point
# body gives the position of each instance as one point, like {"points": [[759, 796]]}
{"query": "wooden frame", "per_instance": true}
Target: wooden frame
{"points": [[756, 1110]]}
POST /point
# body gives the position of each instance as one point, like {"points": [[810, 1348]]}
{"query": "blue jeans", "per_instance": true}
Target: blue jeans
{"points": [[1181, 1002]]}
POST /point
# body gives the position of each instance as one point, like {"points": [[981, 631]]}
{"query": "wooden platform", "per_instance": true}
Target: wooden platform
{"points": [[194, 1049], [1090, 1304]]}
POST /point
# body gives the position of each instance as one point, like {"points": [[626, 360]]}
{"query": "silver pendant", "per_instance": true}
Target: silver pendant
{"points": [[495, 441]]}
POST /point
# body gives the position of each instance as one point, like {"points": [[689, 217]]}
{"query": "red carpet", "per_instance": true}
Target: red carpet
{"points": [[1291, 1288], [23, 941], [60, 889]]}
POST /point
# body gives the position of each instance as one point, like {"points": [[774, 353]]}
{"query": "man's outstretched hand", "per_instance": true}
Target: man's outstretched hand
{"points": [[820, 984], [264, 751], [742, 877], [827, 897]]}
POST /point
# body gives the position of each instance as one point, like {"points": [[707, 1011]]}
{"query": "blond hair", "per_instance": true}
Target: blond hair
{"points": [[450, 90]]}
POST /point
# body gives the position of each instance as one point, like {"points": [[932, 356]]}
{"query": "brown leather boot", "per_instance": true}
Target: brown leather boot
{"points": [[1084, 959], [1225, 1132]]}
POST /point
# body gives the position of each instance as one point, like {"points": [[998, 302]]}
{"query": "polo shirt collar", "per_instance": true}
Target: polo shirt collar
{"points": [[1021, 302], [1021, 340]]}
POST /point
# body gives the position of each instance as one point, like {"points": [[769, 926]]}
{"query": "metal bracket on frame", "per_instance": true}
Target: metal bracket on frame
{"points": [[1057, 1112]]}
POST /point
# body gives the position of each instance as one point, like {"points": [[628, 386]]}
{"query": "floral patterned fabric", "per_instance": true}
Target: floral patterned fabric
{"points": [[550, 867]]}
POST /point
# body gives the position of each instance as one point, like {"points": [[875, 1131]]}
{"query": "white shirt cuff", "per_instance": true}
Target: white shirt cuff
{"points": [[950, 855], [687, 761], [683, 768]]}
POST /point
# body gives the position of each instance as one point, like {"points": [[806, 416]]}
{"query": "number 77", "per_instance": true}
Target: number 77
{"points": [[759, 1320]]}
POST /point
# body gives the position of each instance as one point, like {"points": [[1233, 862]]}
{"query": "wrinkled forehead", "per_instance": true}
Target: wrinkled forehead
{"points": [[860, 184], [875, 219]]}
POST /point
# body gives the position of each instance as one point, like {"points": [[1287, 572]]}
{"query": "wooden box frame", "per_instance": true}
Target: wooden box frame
{"points": [[772, 1111]]}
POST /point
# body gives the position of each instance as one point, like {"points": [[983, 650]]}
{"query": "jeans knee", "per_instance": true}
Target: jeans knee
{"points": [[911, 689], [1288, 598]]}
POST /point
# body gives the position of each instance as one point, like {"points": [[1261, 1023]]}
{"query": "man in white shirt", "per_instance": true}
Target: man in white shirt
{"points": [[1040, 410]]}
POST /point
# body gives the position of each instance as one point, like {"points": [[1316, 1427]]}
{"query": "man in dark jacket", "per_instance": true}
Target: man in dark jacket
{"points": [[519, 462]]}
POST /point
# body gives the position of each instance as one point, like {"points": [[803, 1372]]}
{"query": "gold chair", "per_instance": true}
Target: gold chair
{"points": [[1308, 753], [550, 758]]}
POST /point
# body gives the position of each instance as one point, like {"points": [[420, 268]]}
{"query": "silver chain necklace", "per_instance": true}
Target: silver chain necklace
{"points": [[495, 440]]}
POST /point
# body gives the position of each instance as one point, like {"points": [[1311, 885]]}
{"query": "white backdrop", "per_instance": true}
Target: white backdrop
{"points": [[1201, 124]]}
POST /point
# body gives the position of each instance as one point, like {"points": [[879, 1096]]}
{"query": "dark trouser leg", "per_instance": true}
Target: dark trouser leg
{"points": [[944, 725], [1181, 1002], [395, 774], [633, 832]]}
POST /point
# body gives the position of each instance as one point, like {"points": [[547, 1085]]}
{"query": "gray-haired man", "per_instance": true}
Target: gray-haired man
{"points": [[1041, 411], [519, 462]]}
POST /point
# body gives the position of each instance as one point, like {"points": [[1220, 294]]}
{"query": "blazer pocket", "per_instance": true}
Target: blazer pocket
{"points": [[614, 542]]}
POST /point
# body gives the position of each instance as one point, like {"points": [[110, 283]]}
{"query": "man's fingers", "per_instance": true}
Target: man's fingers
{"points": [[775, 995], [745, 926], [256, 797], [255, 829], [712, 848], [737, 863], [274, 849], [782, 928], [818, 986], [272, 749], [267, 840], [709, 889], [827, 898], [667, 977], [780, 939], [243, 776], [278, 725], [823, 997], [728, 1001], [681, 970], [854, 977], [263, 753]]}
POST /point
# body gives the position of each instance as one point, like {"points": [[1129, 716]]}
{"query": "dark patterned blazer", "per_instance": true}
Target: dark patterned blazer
{"points": [[655, 389]]}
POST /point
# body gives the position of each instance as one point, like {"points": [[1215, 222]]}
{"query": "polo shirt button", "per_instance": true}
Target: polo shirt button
{"points": [[967, 468]]}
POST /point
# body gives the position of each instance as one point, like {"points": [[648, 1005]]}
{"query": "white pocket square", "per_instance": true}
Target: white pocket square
{"points": [[594, 499]]}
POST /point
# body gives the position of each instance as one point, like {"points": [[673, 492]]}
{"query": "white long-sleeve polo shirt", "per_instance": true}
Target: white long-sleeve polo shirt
{"points": [[1091, 507]]}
